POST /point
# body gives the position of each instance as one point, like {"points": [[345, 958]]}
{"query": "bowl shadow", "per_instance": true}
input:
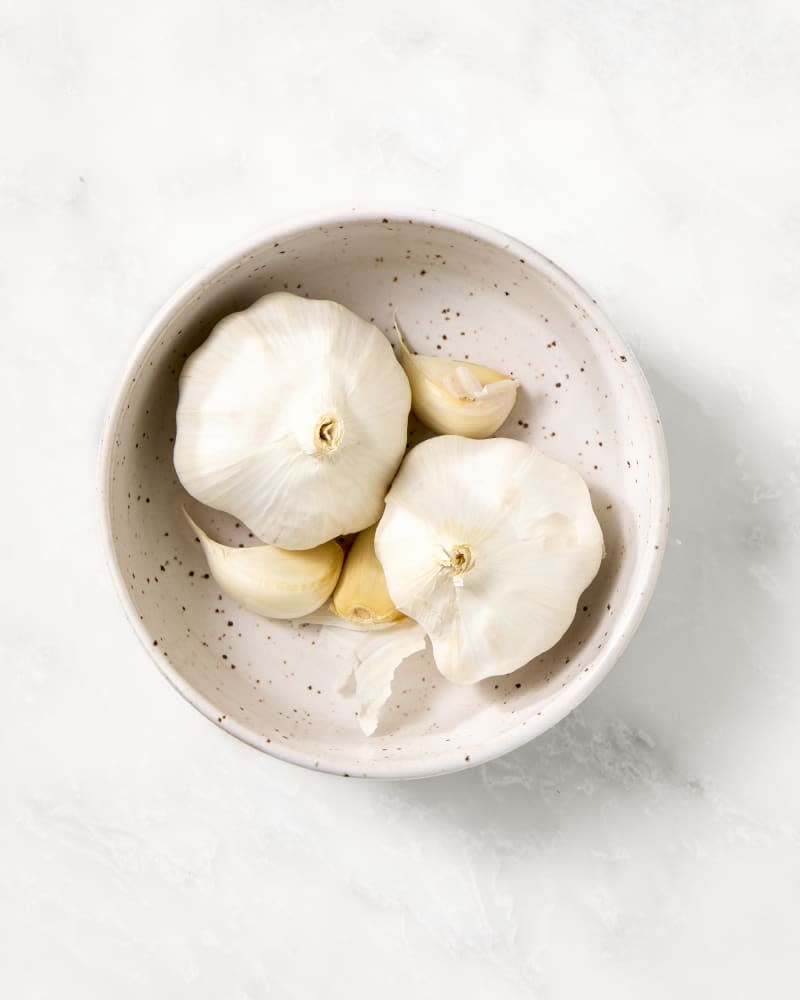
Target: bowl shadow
{"points": [[687, 663]]}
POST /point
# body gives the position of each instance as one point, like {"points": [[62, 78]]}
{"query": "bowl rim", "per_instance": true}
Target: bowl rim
{"points": [[642, 585]]}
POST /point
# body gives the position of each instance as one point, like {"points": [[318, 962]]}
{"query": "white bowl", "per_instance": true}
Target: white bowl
{"points": [[460, 289]]}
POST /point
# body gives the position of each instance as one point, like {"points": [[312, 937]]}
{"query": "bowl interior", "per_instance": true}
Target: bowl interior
{"points": [[458, 292]]}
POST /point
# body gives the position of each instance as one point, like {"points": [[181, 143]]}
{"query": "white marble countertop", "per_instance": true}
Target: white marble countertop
{"points": [[649, 846]]}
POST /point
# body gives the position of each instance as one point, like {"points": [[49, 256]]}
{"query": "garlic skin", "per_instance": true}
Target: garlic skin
{"points": [[277, 583], [457, 397], [292, 417], [361, 595], [488, 545], [372, 657]]}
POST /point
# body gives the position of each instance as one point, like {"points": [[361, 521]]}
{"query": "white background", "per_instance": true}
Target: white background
{"points": [[649, 846]]}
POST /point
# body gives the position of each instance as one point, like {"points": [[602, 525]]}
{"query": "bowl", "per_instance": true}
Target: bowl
{"points": [[459, 289]]}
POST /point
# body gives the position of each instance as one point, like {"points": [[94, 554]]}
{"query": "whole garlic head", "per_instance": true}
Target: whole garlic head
{"points": [[292, 416], [488, 545], [457, 397]]}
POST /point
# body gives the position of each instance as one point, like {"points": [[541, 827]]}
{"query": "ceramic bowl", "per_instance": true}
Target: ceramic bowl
{"points": [[460, 290]]}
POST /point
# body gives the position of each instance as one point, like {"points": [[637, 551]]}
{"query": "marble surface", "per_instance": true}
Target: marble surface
{"points": [[647, 846]]}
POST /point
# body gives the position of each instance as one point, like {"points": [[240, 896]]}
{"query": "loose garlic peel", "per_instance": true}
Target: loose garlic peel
{"points": [[292, 417], [361, 595], [372, 656], [456, 397], [488, 545], [278, 583]]}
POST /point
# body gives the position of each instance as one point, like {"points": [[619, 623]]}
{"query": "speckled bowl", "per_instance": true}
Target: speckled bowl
{"points": [[459, 289]]}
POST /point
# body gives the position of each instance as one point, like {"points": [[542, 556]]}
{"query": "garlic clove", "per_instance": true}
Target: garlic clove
{"points": [[488, 545], [373, 656], [292, 417], [457, 397], [277, 583], [361, 595]]}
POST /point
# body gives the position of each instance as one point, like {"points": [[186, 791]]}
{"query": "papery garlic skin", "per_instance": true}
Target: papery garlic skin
{"points": [[292, 417], [373, 656], [277, 583], [361, 595], [457, 397], [488, 545]]}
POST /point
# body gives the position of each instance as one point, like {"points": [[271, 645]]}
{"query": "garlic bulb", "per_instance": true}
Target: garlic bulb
{"points": [[292, 416], [457, 397], [488, 545], [278, 583], [361, 595]]}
